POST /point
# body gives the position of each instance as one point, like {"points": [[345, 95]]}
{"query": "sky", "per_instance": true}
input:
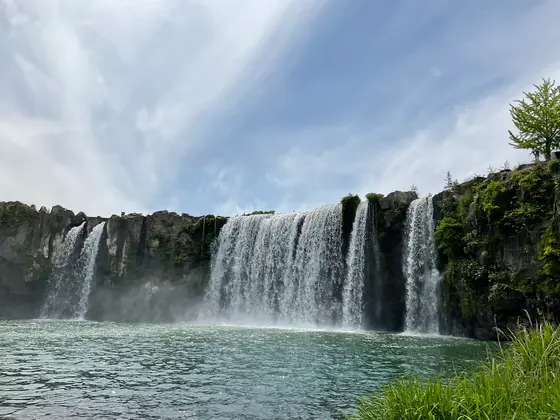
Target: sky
{"points": [[229, 106]]}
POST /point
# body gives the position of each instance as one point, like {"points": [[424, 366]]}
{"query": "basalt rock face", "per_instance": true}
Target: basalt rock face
{"points": [[148, 267], [29, 242], [499, 250], [389, 216], [153, 268]]}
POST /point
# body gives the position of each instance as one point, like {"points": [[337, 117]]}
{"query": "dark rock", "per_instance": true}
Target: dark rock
{"points": [[390, 223]]}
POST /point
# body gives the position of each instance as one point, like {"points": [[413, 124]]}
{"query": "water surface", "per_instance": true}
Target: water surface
{"points": [[73, 369]]}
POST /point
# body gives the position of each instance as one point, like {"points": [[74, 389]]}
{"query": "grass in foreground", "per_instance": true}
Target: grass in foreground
{"points": [[521, 382]]}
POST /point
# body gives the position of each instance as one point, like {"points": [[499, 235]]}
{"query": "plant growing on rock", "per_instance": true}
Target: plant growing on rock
{"points": [[374, 197], [537, 118]]}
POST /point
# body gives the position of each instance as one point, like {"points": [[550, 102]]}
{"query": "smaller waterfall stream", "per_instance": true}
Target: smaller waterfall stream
{"points": [[86, 268], [420, 269], [57, 297], [353, 291]]}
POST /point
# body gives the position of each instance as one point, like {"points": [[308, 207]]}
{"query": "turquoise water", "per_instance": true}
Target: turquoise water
{"points": [[70, 369]]}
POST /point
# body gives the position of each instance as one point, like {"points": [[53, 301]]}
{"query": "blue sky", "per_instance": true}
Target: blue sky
{"points": [[229, 106]]}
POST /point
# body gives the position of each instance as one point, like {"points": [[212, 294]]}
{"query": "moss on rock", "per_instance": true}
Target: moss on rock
{"points": [[498, 245], [14, 213]]}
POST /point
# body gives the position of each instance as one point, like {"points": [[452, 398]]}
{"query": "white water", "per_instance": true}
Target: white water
{"points": [[420, 269], [57, 298], [86, 268], [353, 291], [264, 272]]}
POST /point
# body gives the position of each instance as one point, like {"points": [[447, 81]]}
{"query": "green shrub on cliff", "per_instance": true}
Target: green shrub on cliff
{"points": [[374, 197], [449, 237], [13, 214], [487, 239], [521, 381], [549, 252], [494, 199], [350, 200]]}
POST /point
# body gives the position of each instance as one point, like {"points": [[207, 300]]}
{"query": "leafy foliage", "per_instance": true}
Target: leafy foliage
{"points": [[13, 214], [549, 252], [350, 200], [537, 118], [494, 199], [449, 237], [374, 197], [489, 228]]}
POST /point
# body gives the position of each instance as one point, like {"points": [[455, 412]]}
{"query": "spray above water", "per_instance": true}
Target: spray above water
{"points": [[420, 269]]}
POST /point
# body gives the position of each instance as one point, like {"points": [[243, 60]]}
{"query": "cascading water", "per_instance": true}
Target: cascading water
{"points": [[86, 268], [57, 298], [318, 267], [420, 269], [353, 291], [280, 269]]}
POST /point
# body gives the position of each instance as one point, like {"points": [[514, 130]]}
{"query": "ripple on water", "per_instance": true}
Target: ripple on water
{"points": [[68, 369]]}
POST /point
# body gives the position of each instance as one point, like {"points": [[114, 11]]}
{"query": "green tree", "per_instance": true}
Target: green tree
{"points": [[537, 117]]}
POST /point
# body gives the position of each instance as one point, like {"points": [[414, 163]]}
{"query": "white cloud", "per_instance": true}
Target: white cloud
{"points": [[100, 100]]}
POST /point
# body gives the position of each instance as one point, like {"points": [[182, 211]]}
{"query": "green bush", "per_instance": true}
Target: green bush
{"points": [[449, 237], [554, 166], [549, 252], [521, 381], [374, 197], [449, 207], [350, 200], [494, 199], [13, 214]]}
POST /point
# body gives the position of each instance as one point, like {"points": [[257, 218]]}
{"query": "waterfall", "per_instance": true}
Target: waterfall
{"points": [[318, 266], [353, 291], [278, 269], [420, 269], [86, 268], [57, 298]]}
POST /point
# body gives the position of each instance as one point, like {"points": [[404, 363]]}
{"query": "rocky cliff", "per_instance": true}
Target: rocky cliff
{"points": [[155, 268], [149, 268], [499, 249]]}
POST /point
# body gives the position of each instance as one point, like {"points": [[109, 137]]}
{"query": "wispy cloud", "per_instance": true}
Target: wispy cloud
{"points": [[229, 106], [102, 100]]}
